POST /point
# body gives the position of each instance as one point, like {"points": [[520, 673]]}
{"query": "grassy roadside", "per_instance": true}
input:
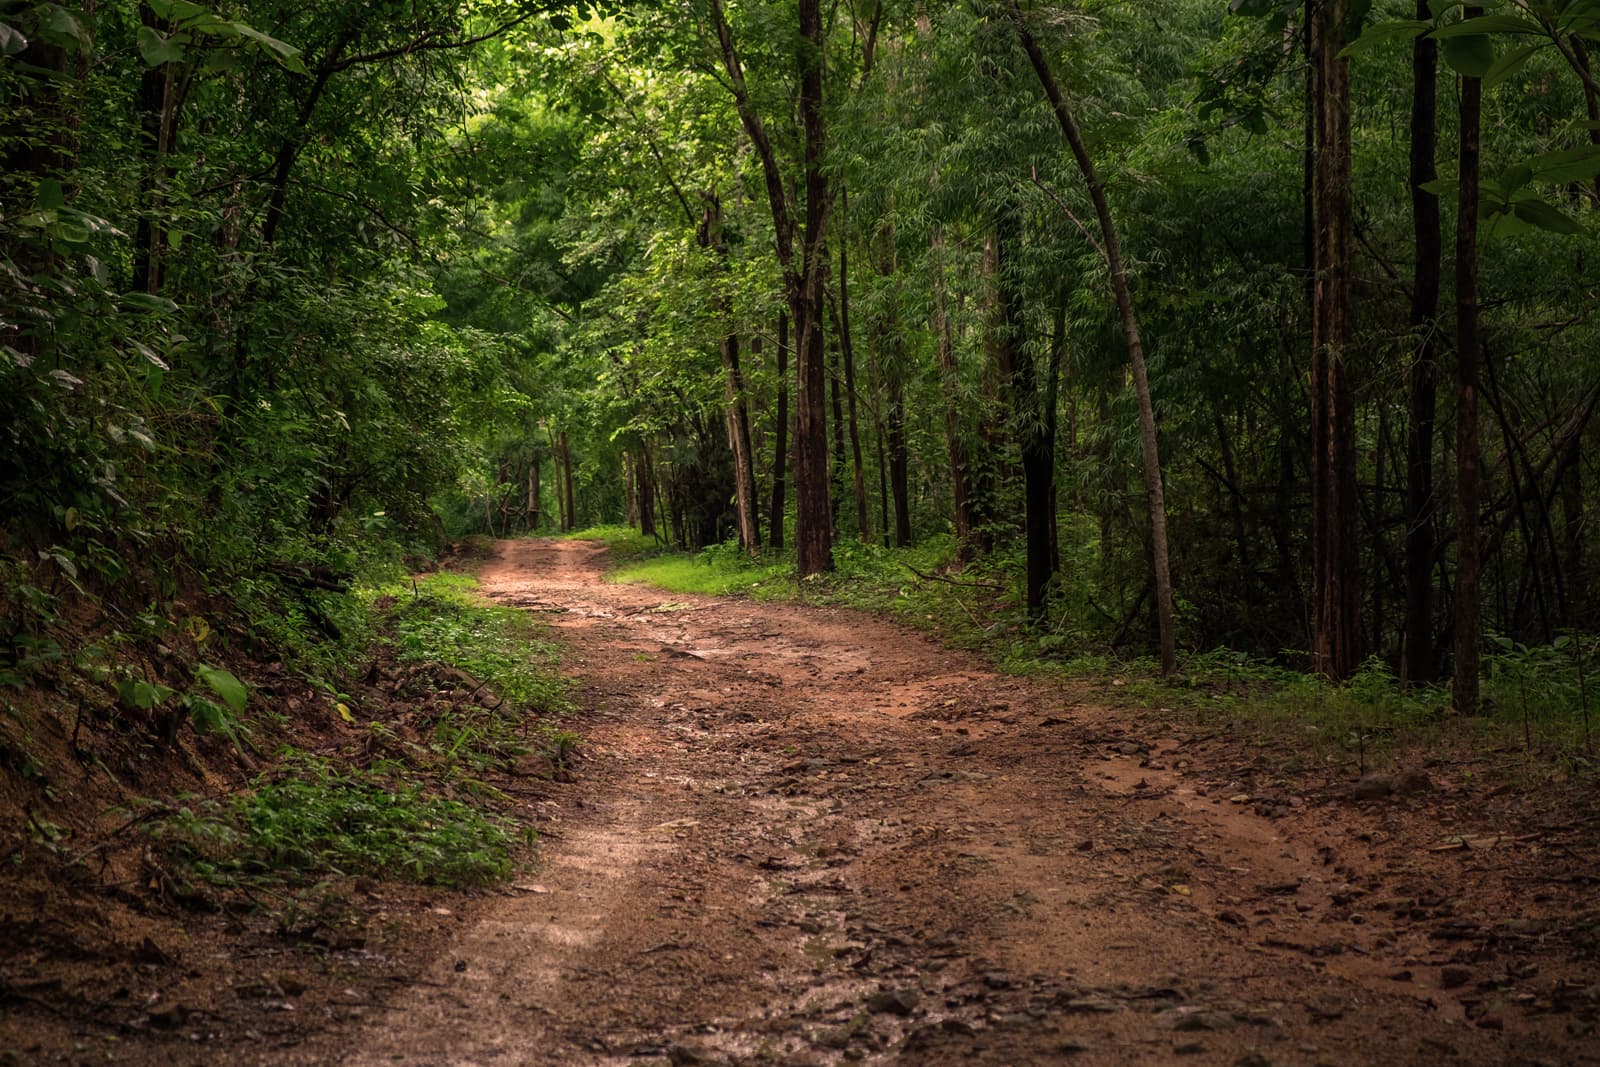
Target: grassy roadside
{"points": [[407, 778], [1538, 702]]}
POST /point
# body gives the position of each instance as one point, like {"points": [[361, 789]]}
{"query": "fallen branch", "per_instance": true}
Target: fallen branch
{"points": [[951, 581]]}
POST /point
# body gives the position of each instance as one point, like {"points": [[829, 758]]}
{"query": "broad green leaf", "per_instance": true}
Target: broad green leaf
{"points": [[179, 10], [1472, 56], [1509, 64], [1546, 217], [63, 27], [157, 48], [225, 685], [1384, 32], [1440, 187], [138, 693], [12, 41], [286, 54], [1515, 177], [1570, 165], [1487, 24]]}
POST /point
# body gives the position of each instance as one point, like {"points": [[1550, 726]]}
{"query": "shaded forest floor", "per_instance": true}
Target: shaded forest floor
{"points": [[808, 835]]}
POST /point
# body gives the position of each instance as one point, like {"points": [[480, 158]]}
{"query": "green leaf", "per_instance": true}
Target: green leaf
{"points": [[1487, 24], [140, 694], [1569, 165], [12, 41], [1472, 56], [1440, 187], [63, 27], [1515, 177], [1384, 32], [1509, 64], [225, 685], [179, 10], [148, 353], [1546, 217], [50, 195], [157, 48]]}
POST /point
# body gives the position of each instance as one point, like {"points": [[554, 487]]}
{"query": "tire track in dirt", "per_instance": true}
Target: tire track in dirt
{"points": [[809, 836]]}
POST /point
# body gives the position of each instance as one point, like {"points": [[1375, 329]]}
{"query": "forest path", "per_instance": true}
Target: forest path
{"points": [[806, 835]]}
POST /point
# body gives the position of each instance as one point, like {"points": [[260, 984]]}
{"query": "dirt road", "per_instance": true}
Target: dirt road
{"points": [[807, 836]]}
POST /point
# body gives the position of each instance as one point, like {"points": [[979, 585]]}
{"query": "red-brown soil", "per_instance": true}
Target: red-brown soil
{"points": [[810, 836]]}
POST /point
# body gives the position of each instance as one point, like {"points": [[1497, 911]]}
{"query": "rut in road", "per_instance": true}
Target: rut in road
{"points": [[807, 835]]}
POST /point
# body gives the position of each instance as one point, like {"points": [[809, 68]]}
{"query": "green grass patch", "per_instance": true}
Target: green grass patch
{"points": [[624, 542], [442, 620], [311, 818]]}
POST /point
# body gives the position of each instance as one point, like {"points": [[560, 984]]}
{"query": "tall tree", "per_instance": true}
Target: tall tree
{"points": [[1416, 650], [1464, 683], [1111, 248], [1335, 636]]}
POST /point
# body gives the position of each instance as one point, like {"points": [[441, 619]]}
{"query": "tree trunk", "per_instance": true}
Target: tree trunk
{"points": [[838, 467], [645, 474], [533, 492], [813, 528], [780, 450], [899, 464], [1336, 633], [1154, 491], [1416, 646], [950, 388], [847, 355], [803, 280], [1464, 685], [566, 484], [738, 414]]}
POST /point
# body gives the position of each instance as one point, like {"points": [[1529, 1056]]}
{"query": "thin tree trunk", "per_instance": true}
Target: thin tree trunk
{"points": [[899, 464], [950, 388], [883, 483], [1469, 577], [837, 475], [780, 450], [738, 414], [532, 518], [1154, 492], [566, 483], [1416, 647], [847, 354]]}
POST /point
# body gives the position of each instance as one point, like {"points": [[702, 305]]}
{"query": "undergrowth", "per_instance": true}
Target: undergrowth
{"points": [[311, 818], [407, 794]]}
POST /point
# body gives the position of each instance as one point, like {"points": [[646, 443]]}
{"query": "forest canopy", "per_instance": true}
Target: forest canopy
{"points": [[1267, 326]]}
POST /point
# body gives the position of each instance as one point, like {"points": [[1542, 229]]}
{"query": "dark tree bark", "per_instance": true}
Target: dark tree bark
{"points": [[899, 463], [1416, 646], [1336, 631], [1155, 493], [571, 522], [780, 449], [1464, 683], [645, 476], [838, 467]]}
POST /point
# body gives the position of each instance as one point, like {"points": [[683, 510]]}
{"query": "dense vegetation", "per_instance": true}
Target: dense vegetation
{"points": [[1264, 326]]}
